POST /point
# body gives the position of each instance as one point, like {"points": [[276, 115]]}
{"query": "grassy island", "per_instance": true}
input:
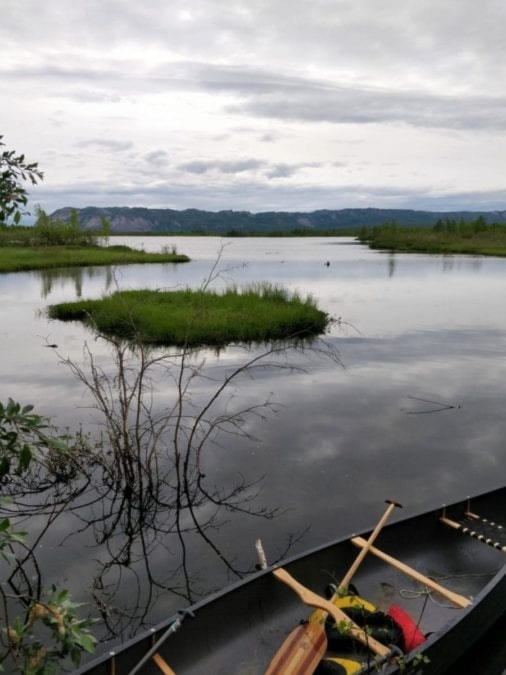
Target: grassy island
{"points": [[255, 314], [52, 243], [447, 236], [23, 258]]}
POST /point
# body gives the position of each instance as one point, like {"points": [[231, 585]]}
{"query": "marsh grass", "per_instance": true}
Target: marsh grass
{"points": [[257, 313], [24, 258], [448, 236]]}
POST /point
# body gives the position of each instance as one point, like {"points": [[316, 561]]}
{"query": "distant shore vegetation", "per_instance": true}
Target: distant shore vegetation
{"points": [[234, 233], [13, 259], [229, 222], [475, 237], [52, 243], [257, 313]]}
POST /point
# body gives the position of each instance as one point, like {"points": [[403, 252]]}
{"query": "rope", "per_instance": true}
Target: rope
{"points": [[426, 600], [428, 593]]}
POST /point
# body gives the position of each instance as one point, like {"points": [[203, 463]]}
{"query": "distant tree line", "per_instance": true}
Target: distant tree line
{"points": [[459, 228], [49, 231], [243, 223]]}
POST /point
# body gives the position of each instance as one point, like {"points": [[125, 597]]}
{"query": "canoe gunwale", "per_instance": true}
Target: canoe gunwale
{"points": [[463, 615], [261, 579]]}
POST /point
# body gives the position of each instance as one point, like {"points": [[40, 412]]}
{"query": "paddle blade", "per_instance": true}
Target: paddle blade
{"points": [[301, 652]]}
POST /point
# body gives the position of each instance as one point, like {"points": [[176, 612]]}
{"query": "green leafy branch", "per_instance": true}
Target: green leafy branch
{"points": [[14, 169], [50, 630], [68, 634]]}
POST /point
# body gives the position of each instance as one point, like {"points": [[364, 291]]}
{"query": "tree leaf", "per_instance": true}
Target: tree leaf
{"points": [[25, 457]]}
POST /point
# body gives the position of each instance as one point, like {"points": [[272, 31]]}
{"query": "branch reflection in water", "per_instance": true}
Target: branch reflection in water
{"points": [[144, 488], [52, 277]]}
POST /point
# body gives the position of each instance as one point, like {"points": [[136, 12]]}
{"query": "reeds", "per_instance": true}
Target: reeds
{"points": [[448, 236], [23, 258], [256, 313]]}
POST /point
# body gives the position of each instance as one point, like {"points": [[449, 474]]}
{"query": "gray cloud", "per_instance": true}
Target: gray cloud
{"points": [[447, 38], [318, 102], [290, 85], [222, 166], [157, 156], [283, 170], [270, 170], [272, 94], [107, 144]]}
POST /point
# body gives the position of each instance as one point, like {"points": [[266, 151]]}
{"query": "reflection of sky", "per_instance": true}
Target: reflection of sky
{"points": [[376, 414], [344, 438]]}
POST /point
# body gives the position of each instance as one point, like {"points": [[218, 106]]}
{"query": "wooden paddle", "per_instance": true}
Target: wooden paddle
{"points": [[301, 652], [305, 646], [320, 616], [314, 600], [456, 598], [349, 574]]}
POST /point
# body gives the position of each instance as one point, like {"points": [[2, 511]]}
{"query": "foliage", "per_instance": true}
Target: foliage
{"points": [[257, 313], [51, 232], [53, 243], [25, 438], [68, 634], [22, 433], [14, 170], [414, 665], [105, 229], [55, 232], [448, 235], [22, 258]]}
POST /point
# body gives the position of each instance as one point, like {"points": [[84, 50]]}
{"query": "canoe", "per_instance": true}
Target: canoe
{"points": [[441, 574]]}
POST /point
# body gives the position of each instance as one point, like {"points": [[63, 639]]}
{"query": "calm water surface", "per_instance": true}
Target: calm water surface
{"points": [[415, 410]]}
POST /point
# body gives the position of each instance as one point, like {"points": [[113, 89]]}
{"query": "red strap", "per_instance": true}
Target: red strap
{"points": [[413, 637]]}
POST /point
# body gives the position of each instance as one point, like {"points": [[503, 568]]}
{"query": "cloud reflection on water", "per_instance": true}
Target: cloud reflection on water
{"points": [[343, 439]]}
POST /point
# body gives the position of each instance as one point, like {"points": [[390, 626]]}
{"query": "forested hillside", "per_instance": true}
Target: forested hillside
{"points": [[137, 219]]}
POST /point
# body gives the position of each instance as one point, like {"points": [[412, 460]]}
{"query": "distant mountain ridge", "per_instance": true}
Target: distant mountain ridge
{"points": [[140, 219]]}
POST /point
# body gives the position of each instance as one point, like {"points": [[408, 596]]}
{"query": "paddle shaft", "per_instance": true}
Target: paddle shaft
{"points": [[318, 615], [349, 574], [305, 646], [313, 600], [457, 599]]}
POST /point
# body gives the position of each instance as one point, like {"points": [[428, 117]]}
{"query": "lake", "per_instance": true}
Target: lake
{"points": [[411, 407]]}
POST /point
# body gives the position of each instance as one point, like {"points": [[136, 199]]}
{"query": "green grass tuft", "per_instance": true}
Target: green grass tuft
{"points": [[447, 236], [24, 258], [258, 313]]}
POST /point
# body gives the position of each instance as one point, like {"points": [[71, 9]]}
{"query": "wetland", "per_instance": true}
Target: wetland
{"points": [[402, 398]]}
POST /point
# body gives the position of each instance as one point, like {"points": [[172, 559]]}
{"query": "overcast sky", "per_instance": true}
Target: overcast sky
{"points": [[260, 104]]}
